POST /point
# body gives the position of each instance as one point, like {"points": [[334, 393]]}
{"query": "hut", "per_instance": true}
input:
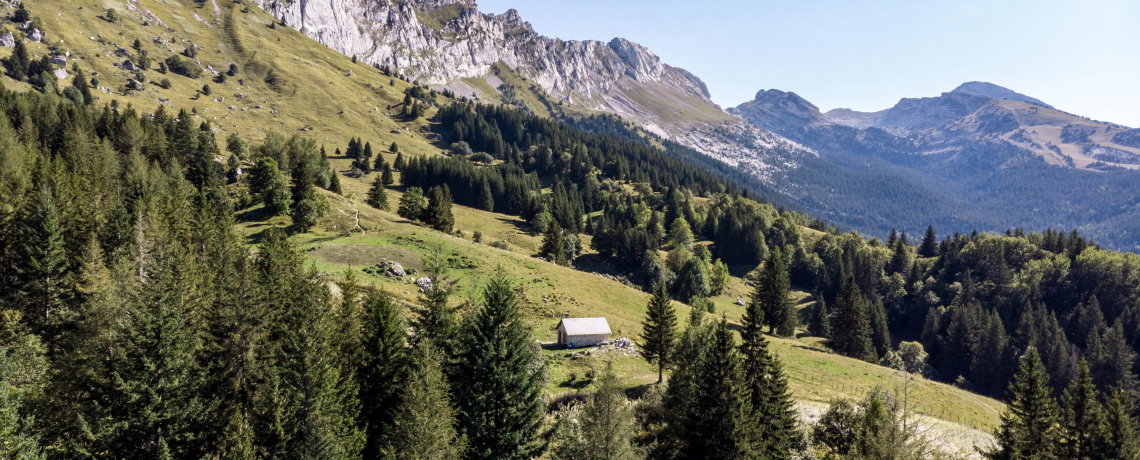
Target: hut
{"points": [[583, 332]]}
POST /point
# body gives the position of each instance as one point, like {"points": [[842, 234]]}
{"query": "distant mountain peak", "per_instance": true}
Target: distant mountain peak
{"points": [[777, 110], [981, 88]]}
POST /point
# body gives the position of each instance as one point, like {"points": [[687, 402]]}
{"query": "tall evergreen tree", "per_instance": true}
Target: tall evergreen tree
{"points": [[19, 62], [423, 426], [552, 248], [438, 212], [772, 292], [692, 281], [399, 163], [386, 173], [1029, 425], [44, 288], [486, 200], [929, 245], [820, 323], [658, 331], [413, 205], [378, 195], [382, 373], [880, 333], [1120, 427], [851, 335], [18, 440], [500, 380], [719, 426], [435, 317], [1084, 438], [769, 396]]}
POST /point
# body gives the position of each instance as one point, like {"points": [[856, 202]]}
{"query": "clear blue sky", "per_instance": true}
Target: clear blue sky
{"points": [[1080, 56]]}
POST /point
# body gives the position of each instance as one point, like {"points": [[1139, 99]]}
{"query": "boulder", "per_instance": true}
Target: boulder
{"points": [[8, 40], [35, 35], [128, 65], [59, 61], [60, 74]]}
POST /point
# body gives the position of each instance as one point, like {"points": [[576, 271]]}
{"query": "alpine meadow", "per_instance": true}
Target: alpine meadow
{"points": [[412, 230]]}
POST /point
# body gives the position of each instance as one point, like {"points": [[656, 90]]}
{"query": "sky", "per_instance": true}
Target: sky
{"points": [[1079, 56]]}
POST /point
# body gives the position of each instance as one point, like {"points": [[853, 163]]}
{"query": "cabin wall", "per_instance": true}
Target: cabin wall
{"points": [[580, 341]]}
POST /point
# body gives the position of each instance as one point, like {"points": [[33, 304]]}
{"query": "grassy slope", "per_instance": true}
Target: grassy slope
{"points": [[316, 99]]}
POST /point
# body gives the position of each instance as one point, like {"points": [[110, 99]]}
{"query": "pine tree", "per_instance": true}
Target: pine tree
{"points": [[334, 184], [820, 323], [1120, 427], [382, 372], [500, 380], [399, 164], [43, 268], [413, 204], [438, 212], [1083, 437], [486, 200], [900, 260], [424, 421], [435, 317], [1029, 424], [929, 245], [851, 335], [719, 425], [772, 292], [378, 195], [552, 248], [658, 331], [605, 427]]}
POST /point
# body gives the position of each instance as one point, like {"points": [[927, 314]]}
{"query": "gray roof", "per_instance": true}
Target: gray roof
{"points": [[586, 326]]}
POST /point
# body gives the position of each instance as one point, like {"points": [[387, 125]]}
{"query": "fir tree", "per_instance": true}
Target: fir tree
{"points": [[438, 212], [80, 84], [851, 335], [929, 245], [334, 184], [311, 207], [499, 380], [399, 163], [423, 425], [382, 370], [769, 395], [1083, 437], [658, 331], [435, 318], [880, 333], [19, 441], [413, 204], [820, 323], [1029, 425], [394, 148], [378, 195], [552, 248], [692, 281]]}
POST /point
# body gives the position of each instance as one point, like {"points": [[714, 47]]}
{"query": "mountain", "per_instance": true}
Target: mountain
{"points": [[982, 88], [980, 156], [500, 58]]}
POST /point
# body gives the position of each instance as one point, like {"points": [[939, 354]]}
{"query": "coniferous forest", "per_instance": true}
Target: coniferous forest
{"points": [[136, 323]]}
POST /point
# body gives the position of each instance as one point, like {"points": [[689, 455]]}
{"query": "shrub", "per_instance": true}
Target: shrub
{"points": [[184, 67], [501, 244], [477, 236], [165, 83], [206, 90], [233, 70], [111, 16]]}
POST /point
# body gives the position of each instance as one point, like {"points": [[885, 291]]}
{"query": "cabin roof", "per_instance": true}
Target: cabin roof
{"points": [[586, 326]]}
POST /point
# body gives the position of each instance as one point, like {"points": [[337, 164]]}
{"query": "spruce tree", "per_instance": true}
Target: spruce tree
{"points": [[767, 386], [772, 292], [80, 84], [1084, 438], [692, 281], [394, 148], [44, 288], [1029, 425], [880, 333], [820, 323], [719, 424], [1120, 427], [413, 204], [929, 245], [435, 317], [18, 439], [851, 334], [399, 163], [438, 212], [486, 200], [500, 380], [386, 174], [19, 62], [658, 331], [382, 372], [334, 183], [423, 424], [378, 195], [552, 248], [1113, 361]]}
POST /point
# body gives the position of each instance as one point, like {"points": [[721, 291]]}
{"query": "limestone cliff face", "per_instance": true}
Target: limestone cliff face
{"points": [[439, 41]]}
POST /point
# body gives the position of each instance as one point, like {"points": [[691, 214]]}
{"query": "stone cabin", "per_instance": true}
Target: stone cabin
{"points": [[583, 332]]}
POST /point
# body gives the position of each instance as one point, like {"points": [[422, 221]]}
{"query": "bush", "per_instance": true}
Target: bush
{"points": [[501, 244], [165, 83], [233, 70], [206, 90], [482, 157], [477, 236], [184, 67], [111, 16], [191, 51]]}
